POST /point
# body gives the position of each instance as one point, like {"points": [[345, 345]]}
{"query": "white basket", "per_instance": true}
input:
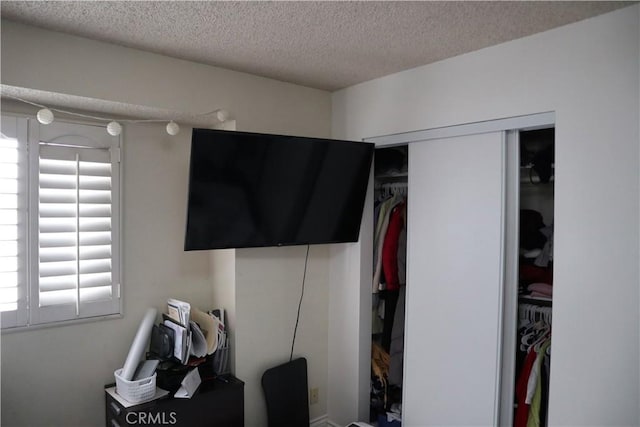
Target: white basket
{"points": [[135, 391]]}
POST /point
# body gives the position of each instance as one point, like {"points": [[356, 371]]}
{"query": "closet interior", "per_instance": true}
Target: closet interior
{"points": [[388, 284], [535, 277]]}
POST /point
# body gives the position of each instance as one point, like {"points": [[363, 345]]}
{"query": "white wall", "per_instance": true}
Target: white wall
{"points": [[588, 73], [55, 376], [350, 325], [268, 289]]}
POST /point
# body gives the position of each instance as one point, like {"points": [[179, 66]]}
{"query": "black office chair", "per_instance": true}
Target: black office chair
{"points": [[285, 391]]}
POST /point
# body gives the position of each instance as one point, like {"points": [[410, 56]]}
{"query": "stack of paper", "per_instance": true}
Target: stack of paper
{"points": [[218, 314], [177, 318], [208, 325], [198, 341], [179, 311], [196, 333]]}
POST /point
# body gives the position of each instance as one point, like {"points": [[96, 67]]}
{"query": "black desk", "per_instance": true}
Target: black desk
{"points": [[216, 403]]}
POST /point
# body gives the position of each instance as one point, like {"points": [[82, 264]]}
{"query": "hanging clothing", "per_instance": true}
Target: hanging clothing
{"points": [[387, 270], [396, 350], [531, 394], [533, 419], [383, 215], [390, 303], [544, 403], [376, 317], [390, 248], [522, 412], [534, 376], [381, 232], [402, 250]]}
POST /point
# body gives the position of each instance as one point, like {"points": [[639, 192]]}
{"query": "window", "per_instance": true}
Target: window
{"points": [[59, 222]]}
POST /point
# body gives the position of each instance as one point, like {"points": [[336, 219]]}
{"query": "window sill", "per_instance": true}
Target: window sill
{"points": [[61, 323]]}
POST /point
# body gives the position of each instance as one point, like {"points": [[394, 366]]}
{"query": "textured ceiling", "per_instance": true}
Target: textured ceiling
{"points": [[326, 45]]}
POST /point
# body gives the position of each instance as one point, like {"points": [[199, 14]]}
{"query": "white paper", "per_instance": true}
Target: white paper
{"points": [[198, 341], [183, 308], [189, 385], [208, 326], [173, 312]]}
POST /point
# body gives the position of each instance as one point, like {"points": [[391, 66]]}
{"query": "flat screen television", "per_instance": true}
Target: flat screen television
{"points": [[254, 190]]}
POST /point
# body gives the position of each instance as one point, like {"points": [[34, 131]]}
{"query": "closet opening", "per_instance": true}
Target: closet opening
{"points": [[388, 284], [535, 277]]}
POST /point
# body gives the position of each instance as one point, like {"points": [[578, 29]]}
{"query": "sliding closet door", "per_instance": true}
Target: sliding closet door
{"points": [[454, 286]]}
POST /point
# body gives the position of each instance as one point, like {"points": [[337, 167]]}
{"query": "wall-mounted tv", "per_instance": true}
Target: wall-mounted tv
{"points": [[254, 190]]}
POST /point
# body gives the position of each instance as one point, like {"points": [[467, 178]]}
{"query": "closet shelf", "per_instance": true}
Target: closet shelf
{"points": [[545, 302], [393, 177], [525, 180], [530, 166]]}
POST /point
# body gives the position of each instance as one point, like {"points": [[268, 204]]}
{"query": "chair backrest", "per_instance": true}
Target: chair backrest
{"points": [[285, 390]]}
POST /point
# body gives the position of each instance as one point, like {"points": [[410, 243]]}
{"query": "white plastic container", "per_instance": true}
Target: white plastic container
{"points": [[135, 391]]}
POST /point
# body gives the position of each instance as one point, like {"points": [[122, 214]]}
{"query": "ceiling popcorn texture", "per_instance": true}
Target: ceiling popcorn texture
{"points": [[325, 45]]}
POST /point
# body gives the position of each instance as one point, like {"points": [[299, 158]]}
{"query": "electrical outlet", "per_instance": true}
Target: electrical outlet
{"points": [[313, 395]]}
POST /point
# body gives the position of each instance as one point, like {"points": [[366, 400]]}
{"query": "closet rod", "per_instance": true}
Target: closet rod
{"points": [[393, 184]]}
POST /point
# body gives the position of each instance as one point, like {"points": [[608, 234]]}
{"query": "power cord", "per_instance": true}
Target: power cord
{"points": [[295, 330]]}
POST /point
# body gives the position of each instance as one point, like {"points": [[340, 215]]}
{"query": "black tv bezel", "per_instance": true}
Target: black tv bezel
{"points": [[361, 202]]}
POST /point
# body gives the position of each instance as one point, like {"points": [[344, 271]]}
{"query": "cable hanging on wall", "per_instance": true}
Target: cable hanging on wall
{"points": [[45, 116]]}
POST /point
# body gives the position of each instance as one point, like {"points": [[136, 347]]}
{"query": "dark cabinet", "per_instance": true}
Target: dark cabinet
{"points": [[218, 402]]}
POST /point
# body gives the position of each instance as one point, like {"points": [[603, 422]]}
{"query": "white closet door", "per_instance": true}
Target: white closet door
{"points": [[454, 286]]}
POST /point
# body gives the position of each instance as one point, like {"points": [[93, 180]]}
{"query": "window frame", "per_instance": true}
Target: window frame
{"points": [[69, 135], [17, 127]]}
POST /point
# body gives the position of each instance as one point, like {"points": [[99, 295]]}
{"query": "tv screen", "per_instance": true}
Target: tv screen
{"points": [[252, 190]]}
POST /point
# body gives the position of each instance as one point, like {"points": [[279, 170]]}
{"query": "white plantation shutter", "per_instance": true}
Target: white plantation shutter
{"points": [[13, 222], [75, 228], [77, 272]]}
